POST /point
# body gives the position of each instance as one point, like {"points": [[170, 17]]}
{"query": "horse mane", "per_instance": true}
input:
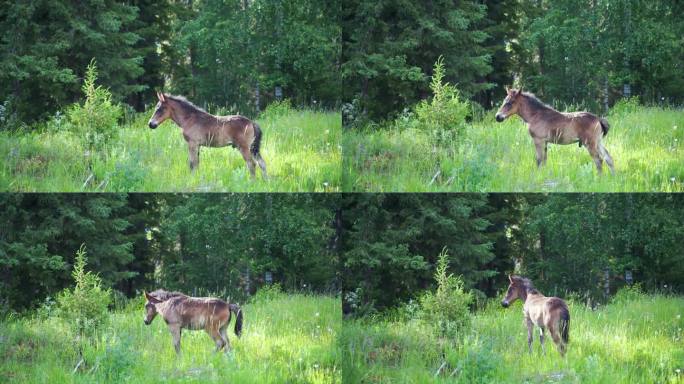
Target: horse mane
{"points": [[534, 103], [163, 295], [526, 283], [186, 105]]}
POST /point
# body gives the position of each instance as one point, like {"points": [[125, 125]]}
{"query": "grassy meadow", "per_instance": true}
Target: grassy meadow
{"points": [[635, 340], [646, 144], [286, 339], [301, 148]]}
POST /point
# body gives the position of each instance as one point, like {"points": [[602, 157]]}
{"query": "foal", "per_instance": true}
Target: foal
{"points": [[546, 125], [203, 129], [546, 312], [193, 313]]}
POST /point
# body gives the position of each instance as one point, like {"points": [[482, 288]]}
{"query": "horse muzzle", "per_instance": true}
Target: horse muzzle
{"points": [[147, 322], [500, 117], [153, 125], [504, 304]]}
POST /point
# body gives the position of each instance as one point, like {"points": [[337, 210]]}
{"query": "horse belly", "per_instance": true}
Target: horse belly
{"points": [[564, 135], [220, 138], [536, 316]]}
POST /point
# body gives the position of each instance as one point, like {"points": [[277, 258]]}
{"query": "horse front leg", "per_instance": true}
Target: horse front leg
{"points": [[541, 339], [193, 154], [175, 330], [540, 147]]}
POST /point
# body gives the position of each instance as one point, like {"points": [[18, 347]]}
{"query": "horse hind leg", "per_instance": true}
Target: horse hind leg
{"points": [[557, 339], [262, 164], [247, 155], [530, 332], [226, 341], [607, 158], [218, 340], [596, 155]]}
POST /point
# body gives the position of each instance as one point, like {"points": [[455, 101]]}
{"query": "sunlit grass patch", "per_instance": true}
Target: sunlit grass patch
{"points": [[301, 148], [645, 143], [635, 341], [289, 338]]}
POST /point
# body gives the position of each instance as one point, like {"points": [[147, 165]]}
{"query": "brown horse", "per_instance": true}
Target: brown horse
{"points": [[193, 313], [203, 129], [546, 125], [546, 312]]}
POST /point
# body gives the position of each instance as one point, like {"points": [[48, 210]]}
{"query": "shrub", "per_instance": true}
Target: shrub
{"points": [[96, 120], [277, 109], [84, 308], [625, 106], [267, 293], [447, 307], [444, 117], [628, 294]]}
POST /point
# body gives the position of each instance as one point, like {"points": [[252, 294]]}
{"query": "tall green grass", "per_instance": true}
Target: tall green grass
{"points": [[635, 340], [286, 339], [301, 148], [646, 144]]}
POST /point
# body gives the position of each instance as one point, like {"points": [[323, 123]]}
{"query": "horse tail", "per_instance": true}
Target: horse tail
{"points": [[238, 321], [256, 144], [604, 126], [565, 325]]}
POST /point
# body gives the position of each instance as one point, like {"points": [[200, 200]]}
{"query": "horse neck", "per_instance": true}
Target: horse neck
{"points": [[180, 117], [162, 308], [528, 114]]}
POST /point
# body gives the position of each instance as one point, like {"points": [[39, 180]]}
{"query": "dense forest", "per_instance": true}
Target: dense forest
{"points": [[239, 54], [586, 53], [564, 242], [228, 244]]}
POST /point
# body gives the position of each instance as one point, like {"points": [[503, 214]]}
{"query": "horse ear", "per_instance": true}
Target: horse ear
{"points": [[510, 278], [151, 298], [520, 91], [160, 96]]}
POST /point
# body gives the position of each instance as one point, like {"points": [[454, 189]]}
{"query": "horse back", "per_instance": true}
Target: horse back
{"points": [[232, 129], [201, 313]]}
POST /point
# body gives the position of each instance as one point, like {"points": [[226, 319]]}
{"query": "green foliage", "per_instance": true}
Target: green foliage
{"points": [[444, 117], [43, 56], [392, 241], [580, 52], [389, 47], [589, 50], [234, 47], [96, 120], [84, 307], [447, 309], [36, 245], [232, 240]]}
